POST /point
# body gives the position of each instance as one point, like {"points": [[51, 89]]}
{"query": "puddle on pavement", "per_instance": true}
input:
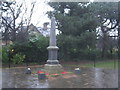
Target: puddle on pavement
{"points": [[88, 78]]}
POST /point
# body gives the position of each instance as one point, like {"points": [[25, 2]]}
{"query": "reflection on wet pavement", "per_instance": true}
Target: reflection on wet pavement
{"points": [[88, 78], [0, 78], [110, 76]]}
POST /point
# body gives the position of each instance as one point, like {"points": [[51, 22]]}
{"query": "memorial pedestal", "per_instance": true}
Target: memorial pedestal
{"points": [[53, 68]]}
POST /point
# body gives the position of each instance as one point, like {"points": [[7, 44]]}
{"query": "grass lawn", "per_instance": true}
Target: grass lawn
{"points": [[102, 64]]}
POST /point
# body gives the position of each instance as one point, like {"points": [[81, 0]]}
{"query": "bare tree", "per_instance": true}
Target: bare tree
{"points": [[15, 16]]}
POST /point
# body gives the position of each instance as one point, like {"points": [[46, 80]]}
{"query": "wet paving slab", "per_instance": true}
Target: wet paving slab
{"points": [[0, 78], [88, 78]]}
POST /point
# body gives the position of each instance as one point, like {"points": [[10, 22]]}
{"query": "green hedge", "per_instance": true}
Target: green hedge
{"points": [[70, 49], [5, 55], [35, 50]]}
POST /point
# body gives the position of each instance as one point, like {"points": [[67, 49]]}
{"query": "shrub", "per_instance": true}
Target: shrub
{"points": [[34, 50], [4, 55], [18, 58], [76, 47]]}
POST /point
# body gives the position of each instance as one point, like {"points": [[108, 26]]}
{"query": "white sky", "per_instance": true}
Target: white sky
{"points": [[40, 9], [39, 16]]}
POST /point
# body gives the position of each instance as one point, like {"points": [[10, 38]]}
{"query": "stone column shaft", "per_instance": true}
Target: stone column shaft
{"points": [[52, 33]]}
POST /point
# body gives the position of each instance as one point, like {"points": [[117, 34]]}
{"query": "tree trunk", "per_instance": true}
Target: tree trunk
{"points": [[14, 35]]}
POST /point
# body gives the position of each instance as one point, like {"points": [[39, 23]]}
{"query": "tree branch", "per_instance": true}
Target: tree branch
{"points": [[114, 25], [104, 21], [7, 24], [18, 12]]}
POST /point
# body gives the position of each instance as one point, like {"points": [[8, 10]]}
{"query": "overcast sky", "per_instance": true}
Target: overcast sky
{"points": [[40, 9]]}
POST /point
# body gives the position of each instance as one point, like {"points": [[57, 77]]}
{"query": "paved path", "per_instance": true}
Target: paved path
{"points": [[0, 78], [88, 78]]}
